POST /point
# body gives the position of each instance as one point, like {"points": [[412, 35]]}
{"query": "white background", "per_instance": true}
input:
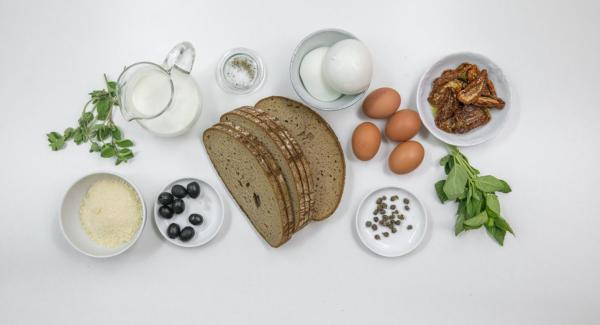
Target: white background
{"points": [[52, 53]]}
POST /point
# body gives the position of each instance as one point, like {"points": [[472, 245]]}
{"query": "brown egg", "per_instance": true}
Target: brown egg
{"points": [[406, 157], [403, 125], [366, 140], [381, 103]]}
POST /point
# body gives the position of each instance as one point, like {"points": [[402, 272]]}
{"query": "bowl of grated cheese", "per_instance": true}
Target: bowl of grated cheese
{"points": [[102, 214]]}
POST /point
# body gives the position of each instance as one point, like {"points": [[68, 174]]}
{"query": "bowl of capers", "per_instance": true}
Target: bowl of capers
{"points": [[391, 221], [188, 212]]}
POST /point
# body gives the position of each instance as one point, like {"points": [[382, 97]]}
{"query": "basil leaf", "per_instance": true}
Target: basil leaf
{"points": [[473, 207], [502, 224], [492, 204], [498, 234], [445, 160], [449, 165], [439, 189], [477, 221], [455, 184], [490, 184], [459, 225], [125, 143]]}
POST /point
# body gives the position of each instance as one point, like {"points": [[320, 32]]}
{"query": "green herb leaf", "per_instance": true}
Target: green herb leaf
{"points": [[68, 134], [103, 108], [56, 141], [477, 221], [445, 160], [116, 133], [490, 184], [126, 143], [439, 189], [497, 233], [95, 147], [449, 165], [473, 207], [492, 204], [502, 224], [107, 151], [459, 225], [455, 184], [103, 132], [78, 136]]}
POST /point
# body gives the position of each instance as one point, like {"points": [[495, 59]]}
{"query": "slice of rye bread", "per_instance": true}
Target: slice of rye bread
{"points": [[255, 186], [263, 153], [281, 166], [293, 147], [289, 168], [319, 144]]}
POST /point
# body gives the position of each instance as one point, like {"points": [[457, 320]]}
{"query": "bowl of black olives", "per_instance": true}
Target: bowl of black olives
{"points": [[188, 212]]}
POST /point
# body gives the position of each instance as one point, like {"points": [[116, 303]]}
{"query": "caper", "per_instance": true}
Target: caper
{"points": [[405, 201], [375, 219], [409, 227], [374, 227], [406, 207], [386, 234], [393, 207], [394, 230], [397, 222], [401, 217], [369, 224], [377, 237]]}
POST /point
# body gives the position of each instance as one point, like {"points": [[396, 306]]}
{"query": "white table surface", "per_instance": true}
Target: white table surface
{"points": [[53, 52]]}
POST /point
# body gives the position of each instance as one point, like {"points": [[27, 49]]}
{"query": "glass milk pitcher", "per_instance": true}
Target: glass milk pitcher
{"points": [[164, 99]]}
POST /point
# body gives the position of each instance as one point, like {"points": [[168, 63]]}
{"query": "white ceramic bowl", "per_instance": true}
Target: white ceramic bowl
{"points": [[324, 37], [208, 204], [71, 226], [480, 134], [402, 242]]}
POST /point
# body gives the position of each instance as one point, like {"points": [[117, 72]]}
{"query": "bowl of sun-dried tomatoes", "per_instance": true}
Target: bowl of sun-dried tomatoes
{"points": [[464, 99]]}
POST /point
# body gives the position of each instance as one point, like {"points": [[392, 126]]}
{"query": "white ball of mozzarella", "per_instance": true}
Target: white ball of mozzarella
{"points": [[312, 76], [347, 67]]}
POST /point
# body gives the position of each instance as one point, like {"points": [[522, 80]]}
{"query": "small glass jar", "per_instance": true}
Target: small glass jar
{"points": [[240, 71]]}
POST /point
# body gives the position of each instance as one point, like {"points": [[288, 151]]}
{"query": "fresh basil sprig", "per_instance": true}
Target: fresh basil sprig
{"points": [[97, 127], [478, 204]]}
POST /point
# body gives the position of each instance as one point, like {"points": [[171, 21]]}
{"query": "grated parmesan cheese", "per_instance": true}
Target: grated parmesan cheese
{"points": [[111, 212]]}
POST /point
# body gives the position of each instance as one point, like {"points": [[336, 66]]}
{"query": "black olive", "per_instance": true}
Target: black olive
{"points": [[193, 189], [196, 219], [173, 231], [186, 233], [165, 211], [165, 198], [178, 206], [179, 191]]}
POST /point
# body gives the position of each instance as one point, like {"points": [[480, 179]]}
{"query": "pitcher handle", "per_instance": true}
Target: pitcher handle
{"points": [[181, 57]]}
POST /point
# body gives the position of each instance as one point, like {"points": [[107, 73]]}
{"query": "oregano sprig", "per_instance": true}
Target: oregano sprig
{"points": [[96, 126], [478, 204]]}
